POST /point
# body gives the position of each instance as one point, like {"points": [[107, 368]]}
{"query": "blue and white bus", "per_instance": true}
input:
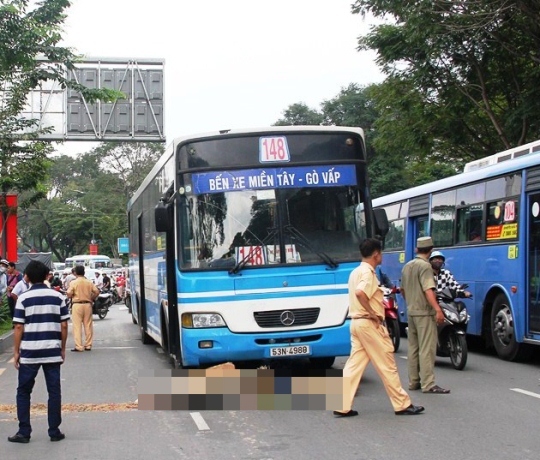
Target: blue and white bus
{"points": [[486, 221], [242, 243]]}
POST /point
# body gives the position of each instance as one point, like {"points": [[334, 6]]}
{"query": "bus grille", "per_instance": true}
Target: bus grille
{"points": [[280, 318]]}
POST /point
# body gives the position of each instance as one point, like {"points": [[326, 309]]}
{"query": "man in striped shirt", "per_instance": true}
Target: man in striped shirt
{"points": [[41, 330]]}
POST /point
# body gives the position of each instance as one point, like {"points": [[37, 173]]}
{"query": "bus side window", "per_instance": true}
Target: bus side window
{"points": [[470, 223], [443, 208]]}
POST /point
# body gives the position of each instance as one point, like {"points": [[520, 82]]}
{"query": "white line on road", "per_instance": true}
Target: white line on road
{"points": [[403, 357], [114, 348], [11, 361], [2, 371], [525, 392], [199, 421]]}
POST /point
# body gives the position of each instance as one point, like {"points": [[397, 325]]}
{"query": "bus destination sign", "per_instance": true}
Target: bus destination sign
{"points": [[270, 178]]}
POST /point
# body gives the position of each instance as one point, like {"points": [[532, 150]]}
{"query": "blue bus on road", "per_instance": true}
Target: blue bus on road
{"points": [[242, 243], [486, 221]]}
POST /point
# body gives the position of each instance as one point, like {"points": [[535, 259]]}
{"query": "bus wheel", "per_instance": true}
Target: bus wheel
{"points": [[145, 338], [322, 363], [176, 362], [503, 332]]}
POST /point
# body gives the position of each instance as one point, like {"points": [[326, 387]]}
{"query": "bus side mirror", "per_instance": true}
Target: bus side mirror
{"points": [[161, 215], [381, 222]]}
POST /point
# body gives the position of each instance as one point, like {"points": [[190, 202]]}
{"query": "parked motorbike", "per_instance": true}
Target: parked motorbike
{"points": [[451, 334], [102, 304], [391, 315]]}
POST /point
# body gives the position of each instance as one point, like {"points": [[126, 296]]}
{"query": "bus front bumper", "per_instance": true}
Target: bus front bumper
{"points": [[228, 346]]}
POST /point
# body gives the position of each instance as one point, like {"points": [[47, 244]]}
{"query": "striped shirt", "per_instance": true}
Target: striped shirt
{"points": [[41, 310]]}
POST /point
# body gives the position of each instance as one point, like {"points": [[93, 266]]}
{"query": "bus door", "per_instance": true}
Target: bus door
{"points": [[534, 263], [417, 227]]}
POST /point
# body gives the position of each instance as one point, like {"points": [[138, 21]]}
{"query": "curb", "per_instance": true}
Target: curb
{"points": [[6, 341]]}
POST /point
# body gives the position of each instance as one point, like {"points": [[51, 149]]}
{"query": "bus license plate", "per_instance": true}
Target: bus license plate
{"points": [[291, 351]]}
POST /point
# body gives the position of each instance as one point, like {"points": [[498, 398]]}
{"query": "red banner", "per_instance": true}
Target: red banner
{"points": [[93, 249]]}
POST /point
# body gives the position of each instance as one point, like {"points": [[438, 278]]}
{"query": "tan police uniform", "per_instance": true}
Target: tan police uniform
{"points": [[84, 291], [370, 342], [416, 278]]}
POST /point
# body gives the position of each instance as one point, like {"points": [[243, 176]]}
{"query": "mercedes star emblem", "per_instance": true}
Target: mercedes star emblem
{"points": [[287, 318]]}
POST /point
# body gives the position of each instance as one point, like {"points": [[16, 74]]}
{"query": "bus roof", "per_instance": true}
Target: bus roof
{"points": [[171, 148], [506, 167]]}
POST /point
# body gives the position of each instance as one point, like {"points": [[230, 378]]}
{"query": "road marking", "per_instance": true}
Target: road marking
{"points": [[11, 361], [525, 392], [402, 357], [199, 421], [113, 348], [2, 371], [122, 308]]}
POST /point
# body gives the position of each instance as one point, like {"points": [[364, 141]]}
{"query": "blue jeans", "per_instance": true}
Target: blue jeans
{"points": [[27, 379]]}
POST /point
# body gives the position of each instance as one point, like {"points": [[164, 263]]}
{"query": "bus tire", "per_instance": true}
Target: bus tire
{"points": [[322, 363], [503, 333], [176, 362], [145, 338]]}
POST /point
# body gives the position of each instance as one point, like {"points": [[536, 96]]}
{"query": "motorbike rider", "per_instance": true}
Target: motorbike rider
{"points": [[444, 277], [106, 282], [383, 278]]}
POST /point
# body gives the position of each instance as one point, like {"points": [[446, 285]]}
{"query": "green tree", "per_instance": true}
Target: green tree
{"points": [[30, 55], [130, 161], [86, 200], [300, 114], [471, 68]]}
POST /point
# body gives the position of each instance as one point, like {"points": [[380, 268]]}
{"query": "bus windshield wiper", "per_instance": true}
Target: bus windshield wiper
{"points": [[242, 263], [296, 233]]}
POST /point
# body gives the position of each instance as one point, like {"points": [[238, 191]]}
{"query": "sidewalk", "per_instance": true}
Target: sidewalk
{"points": [[6, 341]]}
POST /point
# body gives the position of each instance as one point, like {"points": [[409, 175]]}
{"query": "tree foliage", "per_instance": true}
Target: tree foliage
{"points": [[300, 114], [86, 200], [471, 67], [30, 55]]}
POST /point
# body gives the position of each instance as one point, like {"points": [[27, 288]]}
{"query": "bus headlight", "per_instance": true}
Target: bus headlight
{"points": [[202, 320]]}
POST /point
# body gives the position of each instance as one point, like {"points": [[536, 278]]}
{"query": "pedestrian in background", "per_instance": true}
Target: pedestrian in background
{"points": [[13, 277], [4, 264], [83, 292], [369, 337], [68, 279], [21, 287], [418, 289], [40, 336]]}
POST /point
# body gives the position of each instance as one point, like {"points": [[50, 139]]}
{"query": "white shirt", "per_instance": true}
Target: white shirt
{"points": [[20, 287], [99, 282]]}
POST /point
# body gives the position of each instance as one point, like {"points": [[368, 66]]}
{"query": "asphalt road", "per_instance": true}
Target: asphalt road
{"points": [[492, 413]]}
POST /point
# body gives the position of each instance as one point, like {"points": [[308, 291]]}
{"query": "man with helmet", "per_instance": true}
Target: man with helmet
{"points": [[4, 264], [444, 277]]}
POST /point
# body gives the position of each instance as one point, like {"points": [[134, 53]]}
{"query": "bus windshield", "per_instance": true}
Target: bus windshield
{"points": [[270, 226]]}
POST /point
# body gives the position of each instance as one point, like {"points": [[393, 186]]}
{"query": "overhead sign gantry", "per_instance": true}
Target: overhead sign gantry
{"points": [[138, 117]]}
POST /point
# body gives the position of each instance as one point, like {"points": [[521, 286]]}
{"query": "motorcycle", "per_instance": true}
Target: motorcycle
{"points": [[391, 315], [116, 296], [102, 304], [451, 333]]}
